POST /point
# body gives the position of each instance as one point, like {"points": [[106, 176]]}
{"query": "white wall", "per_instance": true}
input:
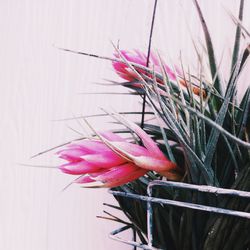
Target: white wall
{"points": [[39, 83]]}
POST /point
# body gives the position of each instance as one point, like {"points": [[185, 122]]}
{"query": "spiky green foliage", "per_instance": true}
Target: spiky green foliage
{"points": [[208, 136]]}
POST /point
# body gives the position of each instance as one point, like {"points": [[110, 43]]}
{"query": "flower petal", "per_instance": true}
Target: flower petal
{"points": [[131, 148], [71, 154], [90, 146], [117, 172], [104, 159], [132, 57], [92, 184], [121, 181], [84, 179], [78, 168], [154, 164], [111, 178], [146, 139], [120, 175]]}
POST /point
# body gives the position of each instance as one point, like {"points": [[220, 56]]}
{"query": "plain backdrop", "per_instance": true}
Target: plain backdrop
{"points": [[40, 84]]}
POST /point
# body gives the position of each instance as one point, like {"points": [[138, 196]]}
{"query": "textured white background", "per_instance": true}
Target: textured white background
{"points": [[39, 83]]}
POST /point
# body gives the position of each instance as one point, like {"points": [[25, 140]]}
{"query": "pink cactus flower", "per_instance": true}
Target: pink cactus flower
{"points": [[110, 160]]}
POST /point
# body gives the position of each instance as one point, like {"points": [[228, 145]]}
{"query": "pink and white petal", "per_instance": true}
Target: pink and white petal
{"points": [[154, 164], [146, 139], [119, 66], [90, 146], [84, 179], [120, 175], [100, 171], [88, 181], [71, 154], [105, 159], [115, 148], [132, 57], [95, 184], [78, 168], [137, 174], [130, 152], [123, 180], [121, 70], [116, 172], [131, 148]]}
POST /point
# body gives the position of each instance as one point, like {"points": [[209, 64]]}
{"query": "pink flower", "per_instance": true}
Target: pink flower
{"points": [[113, 161], [139, 57]]}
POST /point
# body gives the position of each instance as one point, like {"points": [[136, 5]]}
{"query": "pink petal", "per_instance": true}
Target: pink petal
{"points": [[128, 151], [133, 57], [130, 148], [71, 154], [123, 70], [105, 159], [78, 168], [84, 179], [139, 57], [117, 172], [120, 175], [133, 176], [87, 182], [87, 178], [146, 139], [154, 164], [90, 146], [120, 67]]}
